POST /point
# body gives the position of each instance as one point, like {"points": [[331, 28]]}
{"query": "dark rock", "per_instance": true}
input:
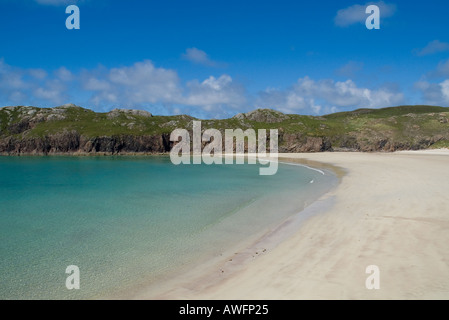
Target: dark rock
{"points": [[73, 142], [297, 142], [19, 127]]}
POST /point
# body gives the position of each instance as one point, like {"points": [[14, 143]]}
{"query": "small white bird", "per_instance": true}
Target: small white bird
{"points": [[311, 181]]}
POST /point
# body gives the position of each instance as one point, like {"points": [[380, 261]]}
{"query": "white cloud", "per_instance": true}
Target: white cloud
{"points": [[13, 81], [53, 91], [141, 83], [357, 13], [17, 96], [94, 84], [325, 96], [347, 94], [199, 57], [12, 84], [432, 47], [434, 93], [441, 71], [443, 68], [38, 73], [287, 101], [28, 86], [215, 93], [445, 89], [64, 74]]}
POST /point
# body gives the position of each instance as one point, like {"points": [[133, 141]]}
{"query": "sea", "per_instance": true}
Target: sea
{"points": [[125, 221]]}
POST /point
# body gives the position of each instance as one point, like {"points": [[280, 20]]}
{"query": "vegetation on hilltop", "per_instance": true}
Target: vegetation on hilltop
{"points": [[70, 128]]}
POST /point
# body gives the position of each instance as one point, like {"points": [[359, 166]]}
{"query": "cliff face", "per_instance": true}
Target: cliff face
{"points": [[73, 142], [298, 142], [71, 129], [68, 129]]}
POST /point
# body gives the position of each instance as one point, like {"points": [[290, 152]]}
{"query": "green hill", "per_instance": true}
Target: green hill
{"points": [[72, 129]]}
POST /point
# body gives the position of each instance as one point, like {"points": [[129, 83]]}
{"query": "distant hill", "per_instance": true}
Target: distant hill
{"points": [[72, 129]]}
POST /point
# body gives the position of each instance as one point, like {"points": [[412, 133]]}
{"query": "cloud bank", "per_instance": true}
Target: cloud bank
{"points": [[327, 96], [434, 93], [140, 85], [146, 86]]}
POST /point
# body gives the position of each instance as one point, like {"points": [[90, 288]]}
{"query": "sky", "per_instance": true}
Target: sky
{"points": [[214, 59]]}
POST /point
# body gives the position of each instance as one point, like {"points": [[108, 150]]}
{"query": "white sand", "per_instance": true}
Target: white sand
{"points": [[390, 210]]}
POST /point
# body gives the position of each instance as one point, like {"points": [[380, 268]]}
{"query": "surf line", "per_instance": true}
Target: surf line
{"points": [[303, 165], [294, 164]]}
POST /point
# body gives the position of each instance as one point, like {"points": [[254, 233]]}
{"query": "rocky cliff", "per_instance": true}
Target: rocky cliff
{"points": [[72, 129]]}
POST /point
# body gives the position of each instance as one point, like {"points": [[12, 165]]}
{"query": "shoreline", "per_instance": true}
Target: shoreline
{"points": [[214, 272], [284, 155], [219, 269], [390, 210]]}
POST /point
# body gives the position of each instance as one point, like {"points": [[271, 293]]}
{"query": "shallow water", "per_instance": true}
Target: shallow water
{"points": [[124, 220]]}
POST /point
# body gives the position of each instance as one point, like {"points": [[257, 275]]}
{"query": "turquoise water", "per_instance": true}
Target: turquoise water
{"points": [[128, 220]]}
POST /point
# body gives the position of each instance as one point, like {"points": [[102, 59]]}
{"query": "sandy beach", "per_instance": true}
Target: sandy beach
{"points": [[390, 210]]}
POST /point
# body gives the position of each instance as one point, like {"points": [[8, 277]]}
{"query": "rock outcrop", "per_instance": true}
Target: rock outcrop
{"points": [[72, 142], [115, 113], [298, 142], [263, 115], [73, 129]]}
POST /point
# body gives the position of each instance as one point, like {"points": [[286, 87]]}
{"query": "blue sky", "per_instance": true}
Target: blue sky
{"points": [[218, 58]]}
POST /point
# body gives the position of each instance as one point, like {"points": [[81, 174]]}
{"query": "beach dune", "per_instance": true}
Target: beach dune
{"points": [[391, 210]]}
